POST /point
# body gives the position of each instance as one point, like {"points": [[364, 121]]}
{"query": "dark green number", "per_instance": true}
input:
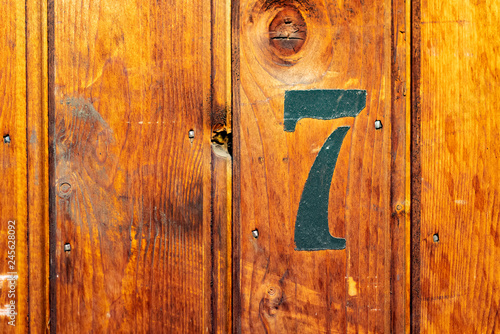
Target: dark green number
{"points": [[311, 225]]}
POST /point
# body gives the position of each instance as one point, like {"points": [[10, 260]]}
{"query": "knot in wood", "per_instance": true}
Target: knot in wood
{"points": [[287, 32], [65, 189], [272, 301]]}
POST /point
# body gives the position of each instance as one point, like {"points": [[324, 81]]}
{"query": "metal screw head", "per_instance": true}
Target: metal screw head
{"points": [[255, 233], [378, 125], [191, 134], [435, 237], [6, 139], [67, 247]]}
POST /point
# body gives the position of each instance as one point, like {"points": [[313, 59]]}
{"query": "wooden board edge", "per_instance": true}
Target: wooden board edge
{"points": [[221, 167], [37, 149], [236, 226], [407, 297], [399, 146], [416, 173], [51, 163]]}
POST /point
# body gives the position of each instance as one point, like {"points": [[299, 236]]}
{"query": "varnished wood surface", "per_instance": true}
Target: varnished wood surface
{"points": [[132, 189], [160, 231], [399, 150], [415, 174], [221, 195], [13, 180], [221, 246], [348, 45], [38, 163], [459, 69]]}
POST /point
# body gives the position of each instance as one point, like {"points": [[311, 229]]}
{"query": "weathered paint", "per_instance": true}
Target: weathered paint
{"points": [[311, 226], [322, 104]]}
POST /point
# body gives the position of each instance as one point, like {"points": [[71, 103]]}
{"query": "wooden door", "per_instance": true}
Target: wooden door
{"points": [[252, 166]]}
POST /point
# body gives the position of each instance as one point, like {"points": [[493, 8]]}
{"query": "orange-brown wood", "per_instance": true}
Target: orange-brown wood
{"points": [[457, 124], [13, 181], [100, 99], [399, 151], [408, 166], [38, 161], [221, 245], [348, 45], [221, 227], [132, 186]]}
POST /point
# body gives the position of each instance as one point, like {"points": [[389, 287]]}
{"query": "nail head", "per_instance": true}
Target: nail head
{"points": [[255, 233], [435, 237], [378, 125]]}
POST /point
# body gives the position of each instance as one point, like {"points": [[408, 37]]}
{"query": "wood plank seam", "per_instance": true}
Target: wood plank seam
{"points": [[416, 173]]}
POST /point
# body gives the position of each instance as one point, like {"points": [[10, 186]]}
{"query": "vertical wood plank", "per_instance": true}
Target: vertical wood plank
{"points": [[221, 241], [459, 156], [13, 182], [348, 45], [399, 161], [221, 167], [132, 189], [38, 161], [408, 166], [236, 255], [416, 170]]}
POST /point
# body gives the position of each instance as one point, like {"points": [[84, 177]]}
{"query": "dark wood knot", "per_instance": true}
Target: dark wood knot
{"points": [[287, 32], [65, 190], [271, 301]]}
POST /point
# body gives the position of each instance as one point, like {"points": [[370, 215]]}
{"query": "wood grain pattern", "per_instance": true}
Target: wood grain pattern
{"points": [[221, 196], [348, 45], [13, 182], [408, 166], [147, 210], [133, 191], [38, 161], [221, 245], [459, 156], [399, 153], [416, 170]]}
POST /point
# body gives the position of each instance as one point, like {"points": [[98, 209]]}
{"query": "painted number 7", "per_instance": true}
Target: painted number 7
{"points": [[311, 225]]}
